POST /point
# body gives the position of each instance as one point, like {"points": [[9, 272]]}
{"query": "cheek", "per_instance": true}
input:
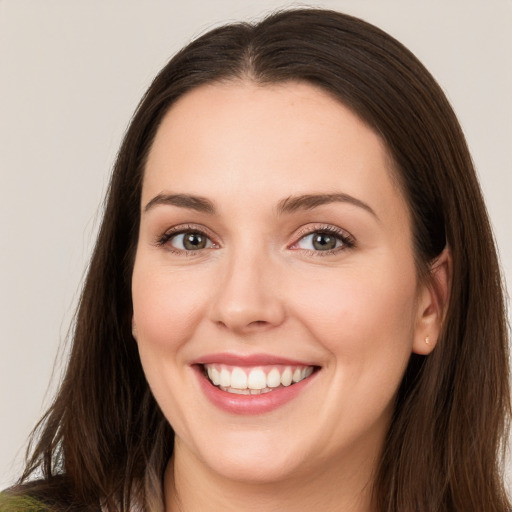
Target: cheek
{"points": [[167, 306], [365, 320], [361, 315]]}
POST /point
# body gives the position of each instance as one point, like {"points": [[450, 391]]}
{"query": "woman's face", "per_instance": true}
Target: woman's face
{"points": [[275, 255]]}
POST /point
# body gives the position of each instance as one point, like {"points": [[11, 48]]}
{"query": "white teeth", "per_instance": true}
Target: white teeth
{"points": [[240, 391], [241, 381], [286, 377], [214, 375], [225, 378], [257, 379], [273, 378], [238, 379]]}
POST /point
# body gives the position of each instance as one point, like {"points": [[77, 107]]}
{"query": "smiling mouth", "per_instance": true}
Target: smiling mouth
{"points": [[255, 380]]}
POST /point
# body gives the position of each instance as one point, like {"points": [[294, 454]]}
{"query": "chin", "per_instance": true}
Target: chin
{"points": [[245, 470], [263, 458]]}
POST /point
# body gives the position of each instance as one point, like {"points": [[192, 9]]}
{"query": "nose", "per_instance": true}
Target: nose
{"points": [[249, 298]]}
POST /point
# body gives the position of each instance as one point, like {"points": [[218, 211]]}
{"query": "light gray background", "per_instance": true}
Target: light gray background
{"points": [[71, 74]]}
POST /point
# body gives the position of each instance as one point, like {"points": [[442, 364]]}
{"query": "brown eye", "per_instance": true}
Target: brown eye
{"points": [[321, 241], [191, 241], [324, 241], [194, 241]]}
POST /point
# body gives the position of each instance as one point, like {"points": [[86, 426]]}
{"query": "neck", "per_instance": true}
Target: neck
{"points": [[190, 486]]}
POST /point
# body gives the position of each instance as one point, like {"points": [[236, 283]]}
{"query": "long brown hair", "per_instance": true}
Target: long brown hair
{"points": [[105, 440]]}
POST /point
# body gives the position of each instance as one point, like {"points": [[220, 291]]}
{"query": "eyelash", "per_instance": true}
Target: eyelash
{"points": [[180, 230], [348, 242], [346, 239]]}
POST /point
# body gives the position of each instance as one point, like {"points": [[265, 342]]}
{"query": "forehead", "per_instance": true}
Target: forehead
{"points": [[288, 138]]}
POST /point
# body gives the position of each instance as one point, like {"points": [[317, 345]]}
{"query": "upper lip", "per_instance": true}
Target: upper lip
{"points": [[249, 360]]}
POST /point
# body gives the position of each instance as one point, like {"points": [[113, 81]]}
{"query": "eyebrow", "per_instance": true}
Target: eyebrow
{"points": [[288, 205], [200, 204], [311, 201]]}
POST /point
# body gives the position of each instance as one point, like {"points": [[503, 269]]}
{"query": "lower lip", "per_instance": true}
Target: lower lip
{"points": [[250, 404]]}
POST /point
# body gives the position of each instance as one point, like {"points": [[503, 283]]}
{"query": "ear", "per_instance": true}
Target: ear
{"points": [[433, 300]]}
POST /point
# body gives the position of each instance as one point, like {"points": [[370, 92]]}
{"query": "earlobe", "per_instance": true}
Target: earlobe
{"points": [[433, 304], [134, 329]]}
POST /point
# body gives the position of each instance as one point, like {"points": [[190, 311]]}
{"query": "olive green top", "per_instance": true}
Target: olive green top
{"points": [[13, 503]]}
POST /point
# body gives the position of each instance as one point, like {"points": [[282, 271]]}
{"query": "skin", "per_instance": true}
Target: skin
{"points": [[260, 287]]}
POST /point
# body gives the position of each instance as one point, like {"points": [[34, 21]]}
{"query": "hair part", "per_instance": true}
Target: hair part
{"points": [[105, 440]]}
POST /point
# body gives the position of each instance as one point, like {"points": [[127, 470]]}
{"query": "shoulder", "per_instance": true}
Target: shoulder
{"points": [[14, 502], [40, 496]]}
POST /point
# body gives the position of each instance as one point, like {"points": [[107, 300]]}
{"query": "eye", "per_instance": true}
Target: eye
{"points": [[188, 240], [319, 242], [326, 240]]}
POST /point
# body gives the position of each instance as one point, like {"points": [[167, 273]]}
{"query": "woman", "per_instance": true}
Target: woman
{"points": [[294, 302]]}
